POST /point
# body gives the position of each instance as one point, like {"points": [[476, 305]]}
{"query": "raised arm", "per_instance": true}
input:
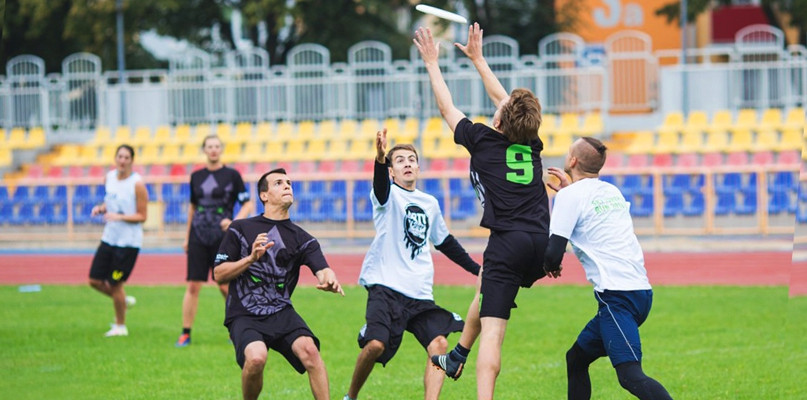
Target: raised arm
{"points": [[473, 50], [429, 51], [381, 183]]}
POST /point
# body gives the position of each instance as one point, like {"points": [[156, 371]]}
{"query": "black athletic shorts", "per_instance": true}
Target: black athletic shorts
{"points": [[113, 264], [200, 259], [511, 260], [278, 331], [389, 313]]}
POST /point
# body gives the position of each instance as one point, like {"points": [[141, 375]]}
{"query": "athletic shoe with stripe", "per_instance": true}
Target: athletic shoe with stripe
{"points": [[184, 340], [452, 368]]}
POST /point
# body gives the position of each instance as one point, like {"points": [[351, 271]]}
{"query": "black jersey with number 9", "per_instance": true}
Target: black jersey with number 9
{"points": [[508, 178]]}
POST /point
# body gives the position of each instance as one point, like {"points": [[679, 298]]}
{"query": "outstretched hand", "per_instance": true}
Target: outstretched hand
{"points": [[473, 49], [553, 273], [259, 246], [428, 48], [381, 145], [562, 178], [328, 282]]}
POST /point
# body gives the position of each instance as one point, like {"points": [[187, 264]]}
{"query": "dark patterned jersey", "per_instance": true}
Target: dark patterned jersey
{"points": [[265, 287], [508, 178], [214, 194]]}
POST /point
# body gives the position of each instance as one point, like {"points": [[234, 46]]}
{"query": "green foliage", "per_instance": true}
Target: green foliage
{"points": [[700, 342]]}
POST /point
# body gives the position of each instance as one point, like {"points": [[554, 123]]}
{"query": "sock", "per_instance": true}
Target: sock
{"points": [[459, 353], [186, 331]]}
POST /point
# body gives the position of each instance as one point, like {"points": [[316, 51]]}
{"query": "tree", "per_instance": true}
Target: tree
{"points": [[796, 8]]}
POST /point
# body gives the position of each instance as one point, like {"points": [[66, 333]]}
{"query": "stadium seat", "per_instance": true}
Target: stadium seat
{"points": [[737, 159], [362, 206], [150, 154], [263, 132], [225, 132], [691, 141], [791, 139], [6, 157], [462, 164], [741, 140], [697, 122], [560, 143], [200, 132], [36, 138], [569, 123], [306, 130], [162, 135], [360, 148], [348, 129], [673, 204], [368, 128], [253, 151], [142, 136], [746, 119], [232, 152], [178, 170], [771, 120], [696, 205], [663, 160], [717, 141], [182, 135], [102, 136], [721, 122], [243, 133], [642, 143], [549, 125], [790, 157], [762, 158], [667, 142], [766, 140], [795, 119], [97, 171], [673, 122], [192, 153], [122, 135], [686, 160], [638, 161], [592, 124]]}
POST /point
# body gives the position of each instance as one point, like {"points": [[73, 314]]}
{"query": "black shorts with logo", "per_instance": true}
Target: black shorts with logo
{"points": [[112, 263], [201, 258], [390, 313], [511, 260], [278, 331]]}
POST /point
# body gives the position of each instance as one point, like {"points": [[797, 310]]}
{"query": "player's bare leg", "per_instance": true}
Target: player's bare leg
{"points": [[364, 365], [433, 378], [489, 361], [473, 326], [252, 373], [305, 349], [190, 303], [119, 302]]}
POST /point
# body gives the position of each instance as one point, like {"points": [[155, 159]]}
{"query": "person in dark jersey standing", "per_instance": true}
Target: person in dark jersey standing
{"points": [[398, 270], [124, 209], [507, 174], [215, 189], [260, 259], [594, 216]]}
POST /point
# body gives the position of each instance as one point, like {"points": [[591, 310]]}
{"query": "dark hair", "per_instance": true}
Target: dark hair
{"points": [[521, 117], [397, 147], [592, 161], [211, 136], [127, 147], [263, 185]]}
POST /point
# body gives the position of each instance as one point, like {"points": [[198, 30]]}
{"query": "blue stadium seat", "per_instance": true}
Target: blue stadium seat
{"points": [[59, 193], [22, 195], [301, 211], [673, 204], [41, 194], [608, 178], [6, 212], [748, 205], [81, 212], [801, 215], [151, 189], [434, 187], [184, 192], [24, 215], [726, 203], [82, 193], [641, 205], [174, 212], [696, 206], [362, 206]]}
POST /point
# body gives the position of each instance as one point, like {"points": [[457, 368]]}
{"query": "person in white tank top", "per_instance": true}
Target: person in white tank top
{"points": [[124, 210]]}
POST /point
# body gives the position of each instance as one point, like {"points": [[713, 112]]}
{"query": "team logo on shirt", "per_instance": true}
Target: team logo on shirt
{"points": [[478, 188], [416, 224]]}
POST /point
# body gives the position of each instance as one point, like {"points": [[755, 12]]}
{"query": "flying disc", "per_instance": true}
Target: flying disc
{"points": [[440, 13]]}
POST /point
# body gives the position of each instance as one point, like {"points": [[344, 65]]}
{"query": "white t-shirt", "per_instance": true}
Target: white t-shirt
{"points": [[400, 256], [120, 198], [595, 217]]}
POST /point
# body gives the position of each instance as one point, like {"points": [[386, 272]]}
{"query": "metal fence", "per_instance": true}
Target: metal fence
{"points": [[757, 72]]}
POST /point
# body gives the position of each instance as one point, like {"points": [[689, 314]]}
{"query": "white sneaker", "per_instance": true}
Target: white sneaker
{"points": [[130, 301], [117, 330]]}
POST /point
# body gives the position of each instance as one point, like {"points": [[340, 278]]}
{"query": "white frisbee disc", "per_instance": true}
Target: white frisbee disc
{"points": [[440, 13]]}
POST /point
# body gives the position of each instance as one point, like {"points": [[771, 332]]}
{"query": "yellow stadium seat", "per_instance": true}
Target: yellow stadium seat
{"points": [[107, 156], [393, 126], [6, 157], [182, 134], [142, 136], [306, 129], [162, 135], [295, 150], [741, 140], [170, 154], [274, 150], [411, 127], [697, 122], [446, 148], [767, 140], [327, 129], [368, 128], [200, 133], [569, 122], [771, 120], [746, 119], [36, 138], [150, 154], [559, 144], [316, 149], [253, 151], [795, 118], [721, 121], [592, 124], [232, 152], [717, 141], [691, 141], [102, 136], [549, 124], [791, 139], [337, 149], [263, 132], [90, 155], [673, 122], [224, 132], [123, 135], [67, 154], [285, 130], [191, 153], [667, 141], [360, 148], [243, 133], [3, 138], [480, 119], [348, 129], [642, 143], [16, 138], [434, 128]]}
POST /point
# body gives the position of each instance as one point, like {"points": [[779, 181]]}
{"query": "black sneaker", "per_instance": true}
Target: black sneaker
{"points": [[452, 368]]}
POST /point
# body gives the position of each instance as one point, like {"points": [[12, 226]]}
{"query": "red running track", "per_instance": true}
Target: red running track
{"points": [[737, 268]]}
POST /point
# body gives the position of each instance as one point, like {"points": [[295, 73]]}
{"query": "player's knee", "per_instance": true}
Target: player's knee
{"points": [[375, 348], [438, 346], [254, 361], [576, 358], [309, 355], [630, 376]]}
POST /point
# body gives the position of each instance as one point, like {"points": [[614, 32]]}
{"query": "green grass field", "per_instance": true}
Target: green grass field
{"points": [[700, 342]]}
